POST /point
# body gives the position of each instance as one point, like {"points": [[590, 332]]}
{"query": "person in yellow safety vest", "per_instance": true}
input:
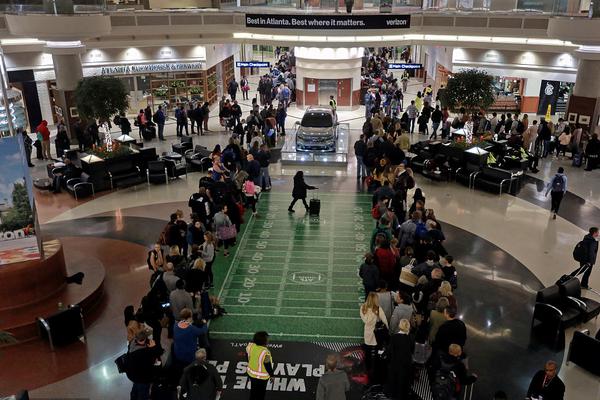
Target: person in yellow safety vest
{"points": [[260, 365], [333, 105]]}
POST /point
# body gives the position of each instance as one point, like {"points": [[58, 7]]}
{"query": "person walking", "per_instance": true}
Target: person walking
{"points": [[299, 191], [159, 119], [590, 244], [334, 383], [557, 188], [436, 120], [232, 89], [245, 86], [260, 365]]}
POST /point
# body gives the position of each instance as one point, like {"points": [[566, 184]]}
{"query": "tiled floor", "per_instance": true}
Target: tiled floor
{"points": [[491, 235]]}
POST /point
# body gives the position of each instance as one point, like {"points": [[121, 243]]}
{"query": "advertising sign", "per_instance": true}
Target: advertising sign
{"points": [[151, 68], [328, 21], [252, 64], [404, 66], [17, 229], [548, 96]]}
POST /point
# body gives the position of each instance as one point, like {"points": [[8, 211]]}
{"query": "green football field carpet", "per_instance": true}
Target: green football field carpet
{"points": [[295, 275]]}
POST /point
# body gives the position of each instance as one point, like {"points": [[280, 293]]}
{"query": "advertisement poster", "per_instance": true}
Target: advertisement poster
{"points": [[17, 233], [549, 91], [328, 22]]}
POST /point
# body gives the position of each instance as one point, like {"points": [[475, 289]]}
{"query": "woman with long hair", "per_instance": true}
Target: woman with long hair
{"points": [[371, 313]]}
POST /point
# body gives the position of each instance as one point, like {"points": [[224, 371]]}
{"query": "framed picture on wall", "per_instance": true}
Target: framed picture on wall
{"points": [[74, 113], [572, 119], [584, 119]]}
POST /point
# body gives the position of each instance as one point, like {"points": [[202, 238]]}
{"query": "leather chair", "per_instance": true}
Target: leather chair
{"points": [[571, 289], [157, 172], [555, 312], [64, 327], [199, 158], [174, 169], [585, 352], [467, 174], [495, 179], [185, 144], [80, 187]]}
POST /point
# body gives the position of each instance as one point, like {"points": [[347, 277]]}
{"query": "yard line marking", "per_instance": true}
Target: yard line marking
{"points": [[330, 265], [290, 299], [291, 307], [289, 334], [286, 267], [290, 316]]}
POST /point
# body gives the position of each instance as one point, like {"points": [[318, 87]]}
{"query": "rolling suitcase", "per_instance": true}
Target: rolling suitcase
{"points": [[149, 133], [577, 160], [314, 206]]}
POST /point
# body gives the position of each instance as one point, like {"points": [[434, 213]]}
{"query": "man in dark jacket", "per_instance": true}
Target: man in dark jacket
{"points": [[591, 245], [592, 152], [436, 119], [360, 149], [200, 380], [545, 384], [453, 331], [450, 364], [159, 119], [232, 88], [140, 365], [253, 169]]}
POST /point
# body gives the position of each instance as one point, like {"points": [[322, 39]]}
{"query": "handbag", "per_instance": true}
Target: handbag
{"points": [[407, 277], [121, 362], [382, 333], [227, 232]]}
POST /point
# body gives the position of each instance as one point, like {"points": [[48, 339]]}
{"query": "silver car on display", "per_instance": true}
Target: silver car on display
{"points": [[317, 131]]}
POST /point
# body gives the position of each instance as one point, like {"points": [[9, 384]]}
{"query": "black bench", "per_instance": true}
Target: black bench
{"points": [[466, 174], [123, 173], [495, 180], [585, 352], [64, 327]]}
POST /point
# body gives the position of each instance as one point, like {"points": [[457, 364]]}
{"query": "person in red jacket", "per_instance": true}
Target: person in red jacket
{"points": [[42, 129]]}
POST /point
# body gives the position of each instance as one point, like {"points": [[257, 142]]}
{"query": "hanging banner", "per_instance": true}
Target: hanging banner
{"points": [[548, 96], [328, 21], [17, 233]]}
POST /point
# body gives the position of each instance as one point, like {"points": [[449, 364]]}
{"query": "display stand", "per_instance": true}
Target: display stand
{"points": [[290, 156]]}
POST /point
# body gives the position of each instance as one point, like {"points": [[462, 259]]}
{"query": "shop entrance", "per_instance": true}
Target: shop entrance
{"points": [[327, 87]]}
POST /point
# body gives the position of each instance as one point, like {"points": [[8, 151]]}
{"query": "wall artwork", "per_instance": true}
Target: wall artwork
{"points": [[572, 118], [584, 119]]}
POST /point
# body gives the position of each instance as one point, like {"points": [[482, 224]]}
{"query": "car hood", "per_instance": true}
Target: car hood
{"points": [[306, 131]]}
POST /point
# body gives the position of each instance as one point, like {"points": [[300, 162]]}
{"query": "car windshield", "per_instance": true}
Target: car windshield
{"points": [[317, 120]]}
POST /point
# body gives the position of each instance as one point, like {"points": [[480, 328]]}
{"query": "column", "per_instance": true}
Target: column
{"points": [[321, 72], [585, 101], [66, 57]]}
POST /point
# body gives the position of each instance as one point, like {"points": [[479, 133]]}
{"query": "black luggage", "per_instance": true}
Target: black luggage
{"points": [[149, 133], [38, 150], [577, 272], [314, 206]]}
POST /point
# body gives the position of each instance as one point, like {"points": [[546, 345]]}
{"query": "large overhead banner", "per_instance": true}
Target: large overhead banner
{"points": [[548, 97], [17, 233], [328, 21]]}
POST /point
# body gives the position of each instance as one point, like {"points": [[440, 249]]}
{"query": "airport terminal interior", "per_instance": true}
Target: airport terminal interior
{"points": [[300, 199]]}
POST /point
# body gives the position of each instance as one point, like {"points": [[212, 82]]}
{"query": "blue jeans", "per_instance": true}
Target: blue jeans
{"points": [[140, 391], [361, 169], [434, 128], [265, 179], [546, 148]]}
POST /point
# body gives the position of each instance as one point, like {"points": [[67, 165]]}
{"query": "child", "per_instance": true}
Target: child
{"points": [[369, 274], [207, 252]]}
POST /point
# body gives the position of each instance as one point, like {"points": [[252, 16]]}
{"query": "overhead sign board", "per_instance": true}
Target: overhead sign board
{"points": [[404, 66], [253, 64], [328, 21]]}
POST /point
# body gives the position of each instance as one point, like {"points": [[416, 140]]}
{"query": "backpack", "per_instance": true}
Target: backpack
{"points": [[520, 127], [155, 118], [580, 252], [558, 183], [444, 384], [421, 230], [498, 127], [375, 212]]}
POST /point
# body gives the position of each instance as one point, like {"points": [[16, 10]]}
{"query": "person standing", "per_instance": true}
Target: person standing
{"points": [[333, 106], [360, 149], [400, 373], [232, 88], [371, 313], [334, 383], [592, 152], [412, 112], [191, 113], [245, 86], [200, 380], [62, 142], [124, 124], [546, 384], [28, 145], [44, 136], [182, 121], [530, 136], [590, 243], [142, 355], [557, 188], [205, 115], [260, 365], [299, 191], [159, 118], [404, 79]]}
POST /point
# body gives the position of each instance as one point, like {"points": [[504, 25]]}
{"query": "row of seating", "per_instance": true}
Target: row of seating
{"points": [[561, 306], [489, 178]]}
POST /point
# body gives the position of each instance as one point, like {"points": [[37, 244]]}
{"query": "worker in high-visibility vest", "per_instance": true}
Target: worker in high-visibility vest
{"points": [[260, 365]]}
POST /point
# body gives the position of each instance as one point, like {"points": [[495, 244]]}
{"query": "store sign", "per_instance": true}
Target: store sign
{"points": [[404, 66], [252, 64], [549, 91], [133, 69], [328, 21]]}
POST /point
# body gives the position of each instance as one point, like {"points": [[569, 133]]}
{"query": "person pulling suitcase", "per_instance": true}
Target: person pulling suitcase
{"points": [[299, 191]]}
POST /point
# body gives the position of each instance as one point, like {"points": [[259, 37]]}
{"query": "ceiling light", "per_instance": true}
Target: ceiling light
{"points": [[20, 41]]}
